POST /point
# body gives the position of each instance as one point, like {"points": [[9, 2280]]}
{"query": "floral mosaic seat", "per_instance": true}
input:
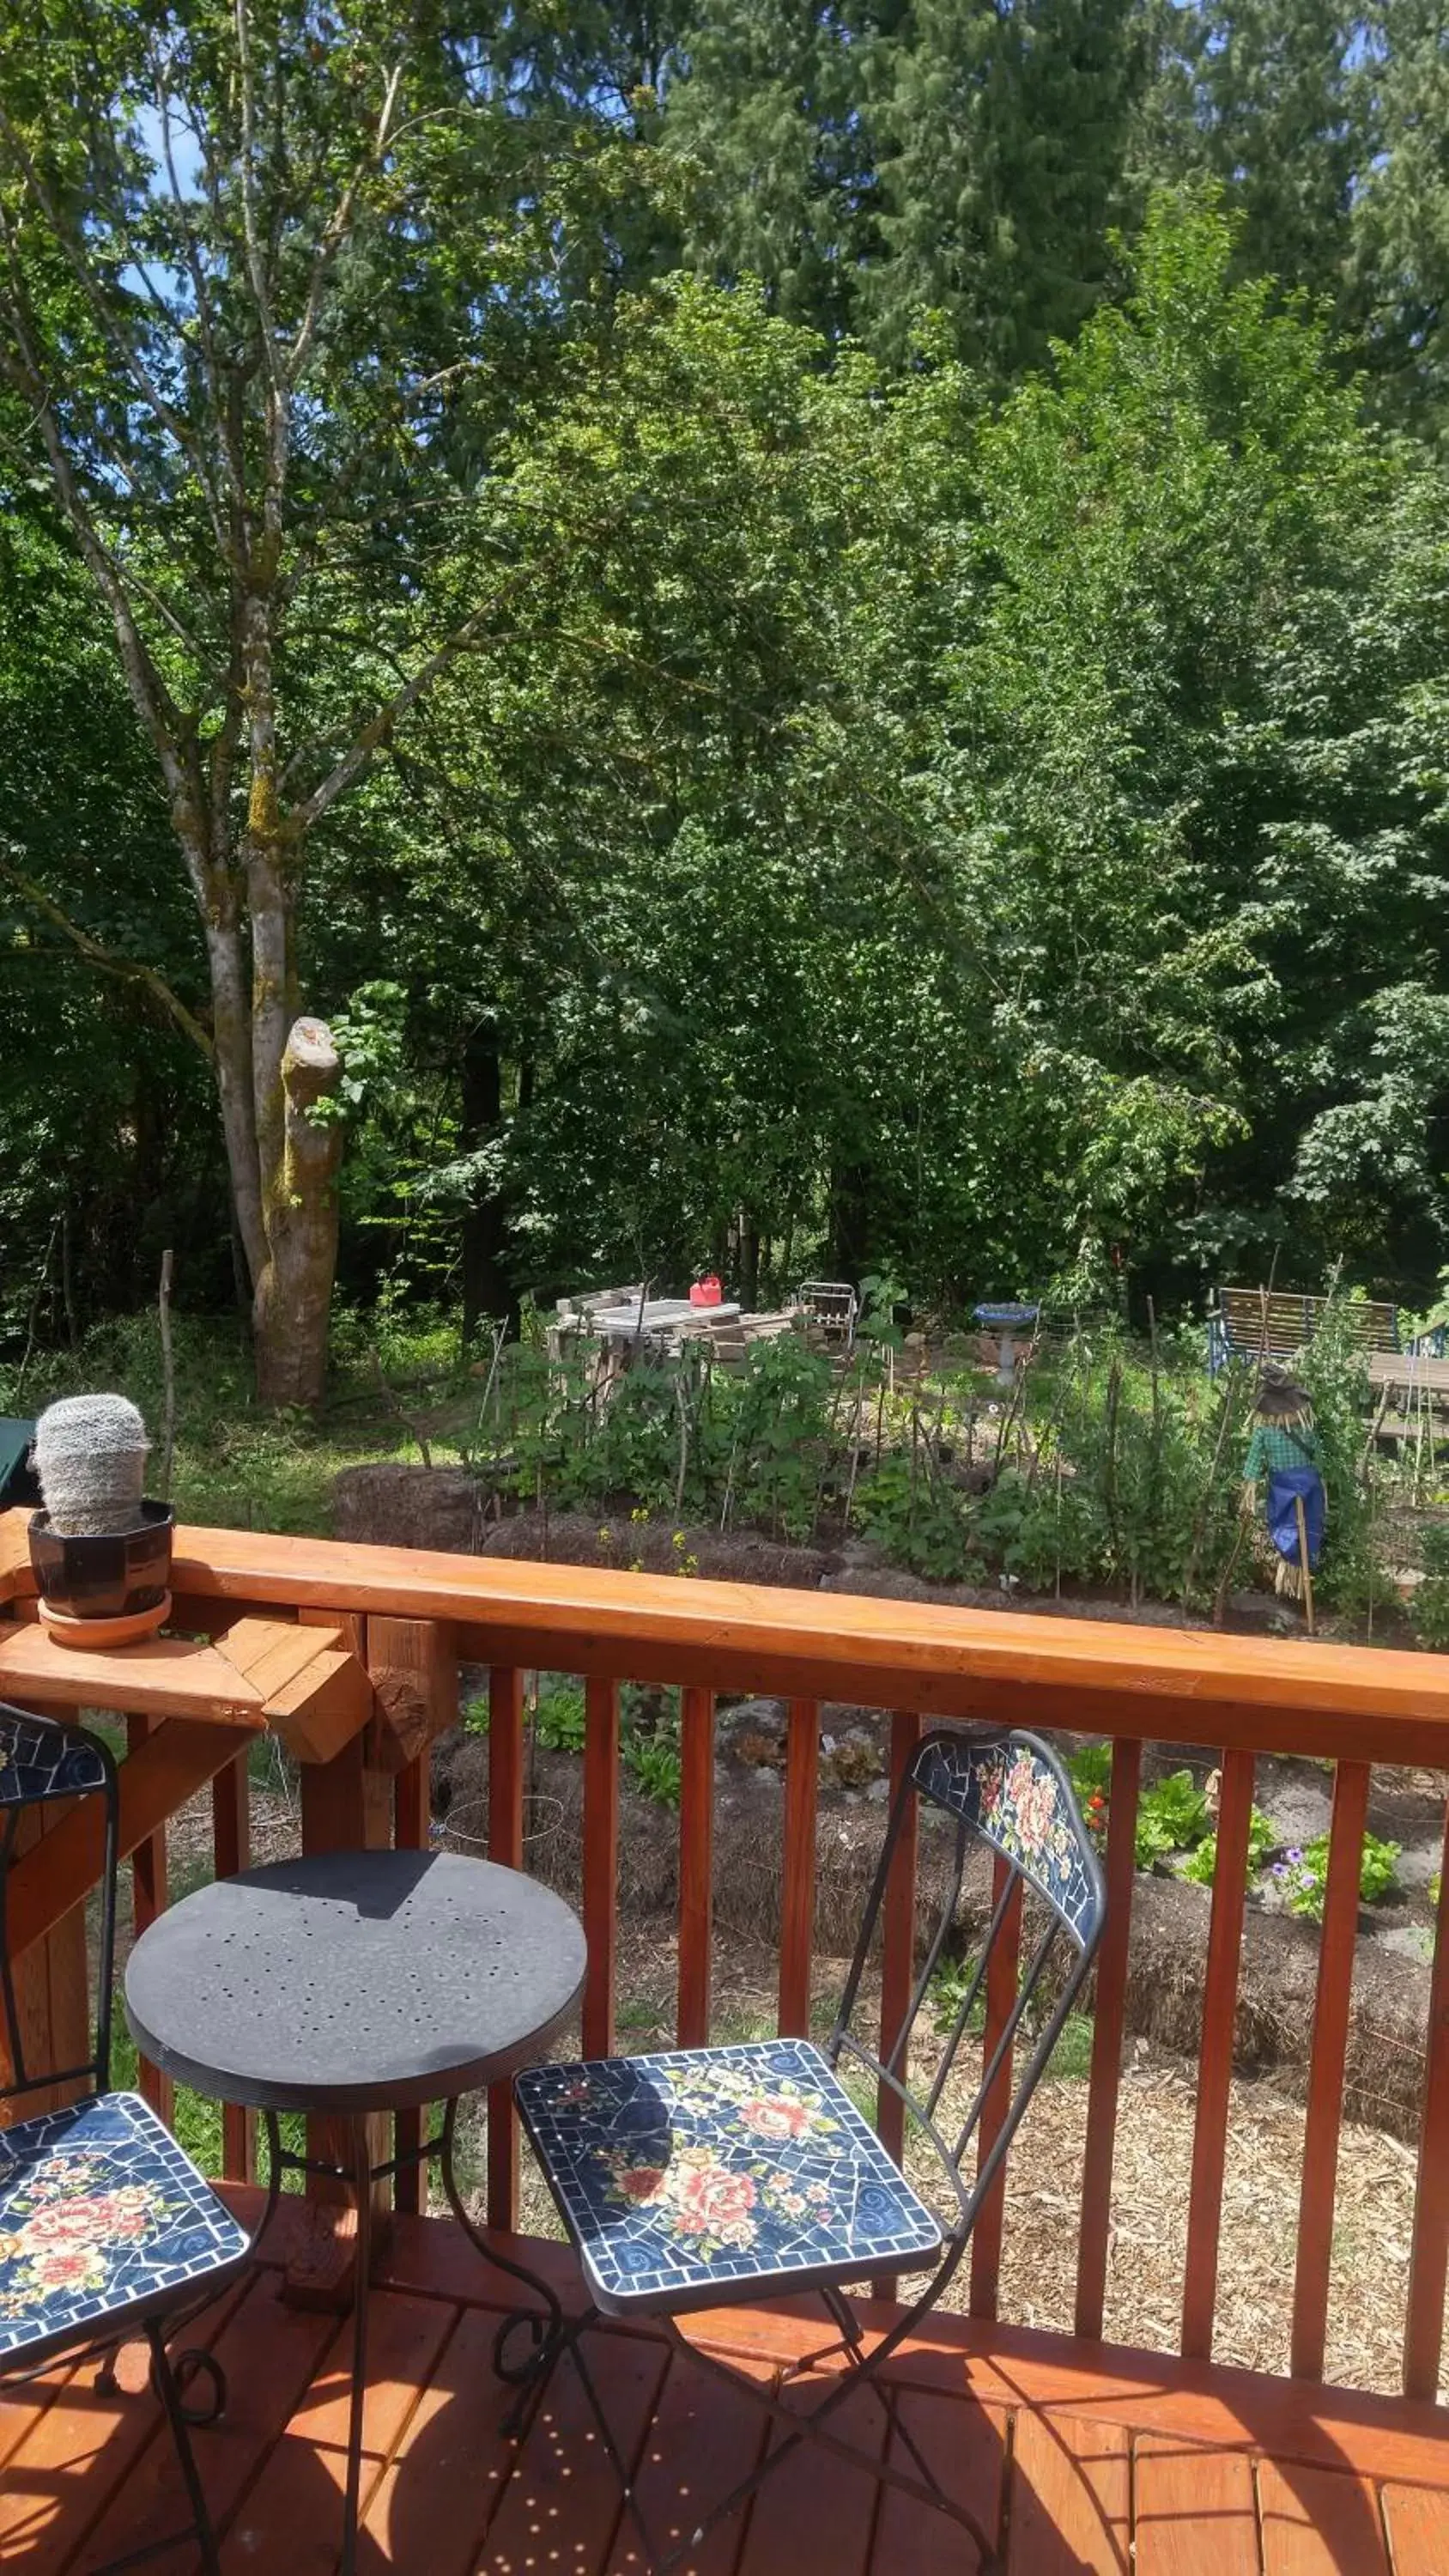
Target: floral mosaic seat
{"points": [[695, 2177], [107, 2230], [103, 2220], [682, 2173]]}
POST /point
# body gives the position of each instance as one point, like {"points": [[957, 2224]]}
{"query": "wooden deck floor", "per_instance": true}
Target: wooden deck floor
{"points": [[1080, 2461]]}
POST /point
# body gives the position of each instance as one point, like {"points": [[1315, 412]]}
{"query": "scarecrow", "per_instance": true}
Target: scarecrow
{"points": [[1283, 1457]]}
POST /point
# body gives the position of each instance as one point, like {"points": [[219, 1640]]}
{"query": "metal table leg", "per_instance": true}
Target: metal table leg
{"points": [[547, 2334]]}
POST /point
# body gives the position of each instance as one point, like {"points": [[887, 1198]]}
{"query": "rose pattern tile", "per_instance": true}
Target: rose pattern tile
{"points": [[101, 2216], [1006, 1790], [705, 2173]]}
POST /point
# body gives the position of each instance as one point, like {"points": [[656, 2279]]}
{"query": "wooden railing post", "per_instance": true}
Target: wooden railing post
{"points": [[1215, 2057], [505, 1844], [52, 1988], [346, 1806], [696, 1864], [601, 1862], [1429, 2253], [1107, 2025], [1002, 1975], [149, 1898], [1336, 1946], [413, 1667], [231, 1822], [797, 1890]]}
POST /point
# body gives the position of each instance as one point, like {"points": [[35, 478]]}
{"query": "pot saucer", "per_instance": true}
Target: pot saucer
{"points": [[96, 1635]]}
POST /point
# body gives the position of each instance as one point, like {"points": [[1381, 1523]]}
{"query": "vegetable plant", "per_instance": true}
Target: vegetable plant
{"points": [[1171, 1816], [1303, 1874], [1201, 1865]]}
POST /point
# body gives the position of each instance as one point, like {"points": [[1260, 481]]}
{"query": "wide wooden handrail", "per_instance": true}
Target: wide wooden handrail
{"points": [[1185, 1685]]}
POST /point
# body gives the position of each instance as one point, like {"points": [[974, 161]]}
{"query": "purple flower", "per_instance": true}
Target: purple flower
{"points": [[1293, 1858], [1280, 1869]]}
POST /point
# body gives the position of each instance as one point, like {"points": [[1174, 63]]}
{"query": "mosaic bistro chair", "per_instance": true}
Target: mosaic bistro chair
{"points": [[700, 2176], [107, 2231]]}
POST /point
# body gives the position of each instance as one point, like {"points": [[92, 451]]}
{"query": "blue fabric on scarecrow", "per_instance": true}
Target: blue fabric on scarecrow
{"points": [[1286, 1487]]}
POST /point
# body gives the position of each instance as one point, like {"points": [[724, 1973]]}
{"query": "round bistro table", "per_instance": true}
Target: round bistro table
{"points": [[351, 1983]]}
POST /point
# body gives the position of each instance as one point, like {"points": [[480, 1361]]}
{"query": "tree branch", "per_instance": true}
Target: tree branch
{"points": [[338, 227], [128, 358], [106, 959]]}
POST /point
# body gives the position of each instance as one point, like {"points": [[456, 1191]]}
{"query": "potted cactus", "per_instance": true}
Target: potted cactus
{"points": [[101, 1551]]}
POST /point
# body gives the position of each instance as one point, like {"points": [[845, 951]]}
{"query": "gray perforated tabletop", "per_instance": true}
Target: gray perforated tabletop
{"points": [[355, 1981]]}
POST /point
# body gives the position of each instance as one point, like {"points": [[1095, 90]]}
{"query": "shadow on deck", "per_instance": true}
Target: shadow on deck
{"points": [[1082, 2458]]}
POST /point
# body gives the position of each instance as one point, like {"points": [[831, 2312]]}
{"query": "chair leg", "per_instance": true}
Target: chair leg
{"points": [[797, 2427], [170, 2396]]}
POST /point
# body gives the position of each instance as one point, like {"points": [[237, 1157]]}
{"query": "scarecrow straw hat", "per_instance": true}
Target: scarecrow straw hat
{"points": [[1280, 1398]]}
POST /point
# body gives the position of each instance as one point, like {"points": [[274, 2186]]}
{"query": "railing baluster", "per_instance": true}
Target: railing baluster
{"points": [[797, 1890], [601, 1862], [1429, 2255], [1325, 2076], [413, 1667], [231, 1835], [411, 1823], [1002, 1971], [898, 1932], [1108, 2017], [505, 1844], [148, 1899], [696, 1864], [1215, 2057]]}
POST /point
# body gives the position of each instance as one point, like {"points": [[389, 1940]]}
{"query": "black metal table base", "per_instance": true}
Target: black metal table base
{"points": [[359, 2175]]}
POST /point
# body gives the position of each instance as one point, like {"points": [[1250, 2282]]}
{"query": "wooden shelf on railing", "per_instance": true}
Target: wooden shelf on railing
{"points": [[300, 1683], [278, 1676]]}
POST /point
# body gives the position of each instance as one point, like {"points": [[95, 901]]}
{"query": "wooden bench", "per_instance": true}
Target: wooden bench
{"points": [[1259, 1323]]}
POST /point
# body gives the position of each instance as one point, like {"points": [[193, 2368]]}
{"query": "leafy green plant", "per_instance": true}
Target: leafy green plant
{"points": [[947, 1992], [560, 1722], [1304, 1874], [1201, 1865], [917, 1520], [1171, 1816], [1429, 1608], [654, 1764]]}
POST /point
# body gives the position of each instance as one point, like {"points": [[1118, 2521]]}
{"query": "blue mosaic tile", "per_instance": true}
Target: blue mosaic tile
{"points": [[45, 1760], [706, 2173], [1006, 1791], [101, 2215]]}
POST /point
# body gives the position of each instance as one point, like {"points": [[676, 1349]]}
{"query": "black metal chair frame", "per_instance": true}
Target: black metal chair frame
{"points": [[170, 2377], [554, 2334]]}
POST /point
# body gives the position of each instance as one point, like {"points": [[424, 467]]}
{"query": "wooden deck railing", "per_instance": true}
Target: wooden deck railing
{"points": [[410, 1615]]}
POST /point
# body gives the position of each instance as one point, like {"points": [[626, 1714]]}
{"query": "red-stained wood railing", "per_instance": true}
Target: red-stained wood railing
{"points": [[1003, 1973], [797, 1866], [1107, 2030], [413, 1612], [1215, 2058], [601, 1862], [231, 1835], [1429, 2253], [148, 1899], [505, 1844], [1326, 2066], [696, 1864]]}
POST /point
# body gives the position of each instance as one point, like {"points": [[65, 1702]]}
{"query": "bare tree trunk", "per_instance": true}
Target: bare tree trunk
{"points": [[231, 1033], [294, 1292]]}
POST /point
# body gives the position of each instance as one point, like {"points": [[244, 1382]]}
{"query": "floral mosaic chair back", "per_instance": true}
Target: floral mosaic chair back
{"points": [[1023, 1890], [42, 1760]]}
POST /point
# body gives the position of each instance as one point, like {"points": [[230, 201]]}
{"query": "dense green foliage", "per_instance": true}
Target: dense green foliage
{"points": [[948, 772]]}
